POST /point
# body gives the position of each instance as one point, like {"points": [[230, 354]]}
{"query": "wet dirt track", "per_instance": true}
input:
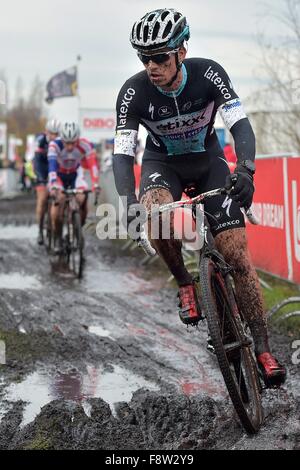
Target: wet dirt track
{"points": [[106, 363]]}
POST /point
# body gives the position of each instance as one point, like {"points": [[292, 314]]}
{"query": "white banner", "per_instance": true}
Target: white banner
{"points": [[30, 147], [13, 144], [97, 124]]}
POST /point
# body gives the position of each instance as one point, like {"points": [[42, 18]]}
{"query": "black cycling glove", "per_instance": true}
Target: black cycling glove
{"points": [[243, 188]]}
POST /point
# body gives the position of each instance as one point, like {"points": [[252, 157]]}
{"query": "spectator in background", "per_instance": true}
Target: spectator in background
{"points": [[107, 154], [230, 156], [230, 153]]}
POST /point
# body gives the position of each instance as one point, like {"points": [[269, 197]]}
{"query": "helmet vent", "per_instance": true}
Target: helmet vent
{"points": [[146, 31], [151, 17], [155, 31], [176, 17], [164, 15], [167, 29], [138, 31]]}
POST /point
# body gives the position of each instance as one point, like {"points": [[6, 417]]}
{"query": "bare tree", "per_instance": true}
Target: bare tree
{"points": [[276, 109], [26, 115]]}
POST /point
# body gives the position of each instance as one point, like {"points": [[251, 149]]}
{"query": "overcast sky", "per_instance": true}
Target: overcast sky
{"points": [[44, 37]]}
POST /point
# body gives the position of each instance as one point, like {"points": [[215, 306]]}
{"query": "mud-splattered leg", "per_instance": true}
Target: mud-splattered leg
{"points": [[233, 245], [170, 248]]}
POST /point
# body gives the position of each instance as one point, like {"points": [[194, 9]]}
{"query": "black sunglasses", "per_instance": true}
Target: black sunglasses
{"points": [[157, 58]]}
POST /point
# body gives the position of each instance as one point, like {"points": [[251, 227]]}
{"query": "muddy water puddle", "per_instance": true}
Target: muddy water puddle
{"points": [[40, 388], [19, 281], [105, 279], [101, 332], [18, 232]]}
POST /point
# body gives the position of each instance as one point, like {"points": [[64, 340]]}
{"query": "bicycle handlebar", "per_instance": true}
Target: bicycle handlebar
{"points": [[69, 192], [200, 199], [144, 241]]}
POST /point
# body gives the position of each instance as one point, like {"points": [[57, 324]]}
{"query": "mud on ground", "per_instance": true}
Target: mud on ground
{"points": [[106, 364]]}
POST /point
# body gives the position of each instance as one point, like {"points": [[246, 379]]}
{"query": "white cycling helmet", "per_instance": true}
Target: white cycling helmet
{"points": [[69, 132], [160, 29], [53, 126]]}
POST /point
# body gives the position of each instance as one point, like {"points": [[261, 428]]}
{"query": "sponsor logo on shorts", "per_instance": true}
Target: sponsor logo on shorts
{"points": [[227, 205], [228, 224], [154, 177], [162, 184]]}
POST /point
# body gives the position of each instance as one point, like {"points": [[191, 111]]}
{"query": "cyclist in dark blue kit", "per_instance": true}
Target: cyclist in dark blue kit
{"points": [[176, 100], [40, 163]]}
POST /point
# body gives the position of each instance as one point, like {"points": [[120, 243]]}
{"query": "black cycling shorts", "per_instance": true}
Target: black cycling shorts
{"points": [[40, 166], [223, 212]]}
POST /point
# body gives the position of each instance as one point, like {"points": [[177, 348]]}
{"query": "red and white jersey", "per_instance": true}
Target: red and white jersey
{"points": [[64, 162]]}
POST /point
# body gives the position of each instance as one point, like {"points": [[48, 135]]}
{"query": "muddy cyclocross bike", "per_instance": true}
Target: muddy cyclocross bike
{"points": [[72, 237], [230, 339]]}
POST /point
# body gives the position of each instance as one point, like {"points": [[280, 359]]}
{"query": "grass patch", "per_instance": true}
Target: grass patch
{"points": [[39, 443], [279, 291]]}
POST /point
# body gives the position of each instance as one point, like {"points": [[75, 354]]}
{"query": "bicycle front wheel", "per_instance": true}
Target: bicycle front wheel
{"points": [[76, 255], [231, 344]]}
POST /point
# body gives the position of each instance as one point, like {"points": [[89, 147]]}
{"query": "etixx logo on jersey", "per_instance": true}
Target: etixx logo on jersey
{"points": [[165, 111]]}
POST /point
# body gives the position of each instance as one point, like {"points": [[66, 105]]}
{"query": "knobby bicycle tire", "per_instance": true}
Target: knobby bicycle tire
{"points": [[48, 234], [77, 245], [217, 298]]}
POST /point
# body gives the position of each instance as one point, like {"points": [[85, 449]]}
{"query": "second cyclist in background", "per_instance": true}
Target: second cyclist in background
{"points": [[40, 165], [68, 157]]}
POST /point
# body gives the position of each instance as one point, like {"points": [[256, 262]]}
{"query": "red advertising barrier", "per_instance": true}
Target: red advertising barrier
{"points": [[275, 243]]}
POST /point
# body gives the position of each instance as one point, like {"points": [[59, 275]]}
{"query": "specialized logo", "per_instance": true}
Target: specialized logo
{"points": [[227, 205], [165, 111], [217, 80], [125, 107], [155, 177], [151, 110]]}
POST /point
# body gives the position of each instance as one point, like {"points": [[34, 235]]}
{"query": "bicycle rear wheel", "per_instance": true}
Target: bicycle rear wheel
{"points": [[231, 345], [77, 243]]}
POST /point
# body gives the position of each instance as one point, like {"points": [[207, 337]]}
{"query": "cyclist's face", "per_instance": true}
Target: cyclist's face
{"points": [[51, 136], [162, 74], [69, 146]]}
